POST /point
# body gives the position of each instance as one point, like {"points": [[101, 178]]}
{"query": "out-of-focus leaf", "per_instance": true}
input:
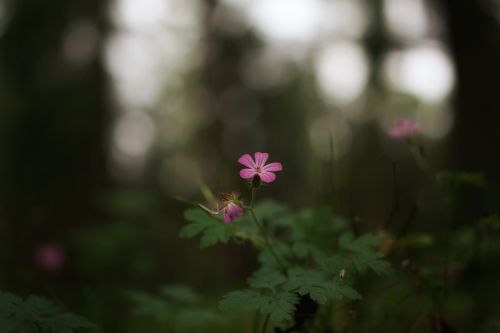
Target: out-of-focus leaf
{"points": [[40, 312], [462, 178]]}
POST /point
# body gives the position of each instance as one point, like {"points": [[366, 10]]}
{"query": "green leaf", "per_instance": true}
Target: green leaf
{"points": [[175, 306], [339, 290], [280, 306], [363, 253], [308, 282], [148, 305], [337, 263], [64, 323], [270, 210], [266, 278], [9, 303], [213, 230], [246, 299], [200, 221], [40, 312], [462, 178]]}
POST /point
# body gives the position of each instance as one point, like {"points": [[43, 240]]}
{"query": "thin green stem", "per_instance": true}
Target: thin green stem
{"points": [[266, 321], [256, 321], [266, 241], [418, 154], [252, 200]]}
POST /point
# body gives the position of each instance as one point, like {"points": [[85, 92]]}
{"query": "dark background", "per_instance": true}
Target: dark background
{"points": [[106, 117]]}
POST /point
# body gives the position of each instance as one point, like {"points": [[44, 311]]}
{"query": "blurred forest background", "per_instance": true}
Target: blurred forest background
{"points": [[109, 109]]}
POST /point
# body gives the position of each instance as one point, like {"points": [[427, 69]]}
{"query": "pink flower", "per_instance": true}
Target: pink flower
{"points": [[403, 128], [232, 211], [258, 167], [50, 257]]}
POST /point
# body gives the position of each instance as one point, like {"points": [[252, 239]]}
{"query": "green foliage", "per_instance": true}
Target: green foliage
{"points": [[212, 229], [41, 313], [319, 286], [456, 178], [279, 305], [316, 266], [266, 278], [363, 253], [175, 306]]}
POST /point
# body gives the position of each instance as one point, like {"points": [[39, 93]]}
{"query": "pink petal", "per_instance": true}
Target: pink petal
{"points": [[260, 159], [273, 167], [247, 161], [247, 173], [267, 177], [403, 128], [231, 212], [395, 133]]}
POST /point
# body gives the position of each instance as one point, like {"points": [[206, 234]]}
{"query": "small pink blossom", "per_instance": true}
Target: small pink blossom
{"points": [[50, 257], [403, 128], [232, 211], [258, 167]]}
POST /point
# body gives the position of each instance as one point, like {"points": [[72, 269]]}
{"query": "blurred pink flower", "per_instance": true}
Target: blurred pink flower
{"points": [[232, 211], [403, 128], [258, 167], [50, 257]]}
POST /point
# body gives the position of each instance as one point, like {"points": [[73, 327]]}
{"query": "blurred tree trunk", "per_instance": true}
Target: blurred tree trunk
{"points": [[52, 123], [474, 35]]}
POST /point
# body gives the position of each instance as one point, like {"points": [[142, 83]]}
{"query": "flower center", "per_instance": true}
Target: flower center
{"points": [[258, 170]]}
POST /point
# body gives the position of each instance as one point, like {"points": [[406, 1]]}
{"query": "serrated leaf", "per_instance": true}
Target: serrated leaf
{"points": [[373, 261], [363, 253], [279, 306], [199, 219], [246, 299], [215, 234], [267, 278], [308, 282], [41, 312], [339, 290], [213, 231]]}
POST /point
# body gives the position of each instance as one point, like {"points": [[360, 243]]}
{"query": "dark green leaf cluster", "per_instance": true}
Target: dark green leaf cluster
{"points": [[362, 252], [40, 312], [279, 305], [322, 258], [174, 306]]}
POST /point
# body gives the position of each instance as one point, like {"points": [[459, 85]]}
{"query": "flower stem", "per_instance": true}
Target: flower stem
{"points": [[267, 243], [418, 154], [266, 321], [256, 322], [252, 200]]}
